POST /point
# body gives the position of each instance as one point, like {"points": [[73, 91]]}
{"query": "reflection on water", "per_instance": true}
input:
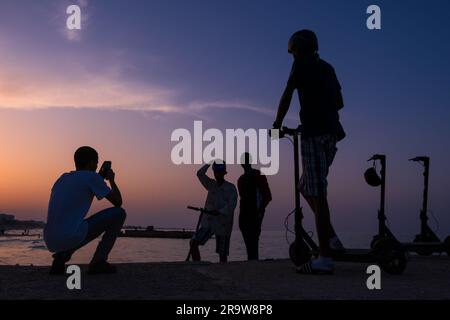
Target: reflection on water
{"points": [[32, 250]]}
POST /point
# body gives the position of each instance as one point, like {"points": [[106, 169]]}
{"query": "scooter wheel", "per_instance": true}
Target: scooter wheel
{"points": [[391, 256], [299, 252], [447, 245], [375, 239]]}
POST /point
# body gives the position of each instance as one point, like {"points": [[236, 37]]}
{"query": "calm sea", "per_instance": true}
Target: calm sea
{"points": [[32, 250]]}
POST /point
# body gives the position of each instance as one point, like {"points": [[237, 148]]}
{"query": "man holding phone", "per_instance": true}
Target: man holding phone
{"points": [[67, 230]]}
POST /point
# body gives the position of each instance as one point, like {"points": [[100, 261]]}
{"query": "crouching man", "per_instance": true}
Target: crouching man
{"points": [[67, 230], [220, 204]]}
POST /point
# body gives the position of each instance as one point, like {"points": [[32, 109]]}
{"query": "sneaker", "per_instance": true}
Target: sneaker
{"points": [[59, 263], [102, 267], [58, 267], [321, 265]]}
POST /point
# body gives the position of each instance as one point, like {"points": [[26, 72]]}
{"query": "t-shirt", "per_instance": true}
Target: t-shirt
{"points": [[320, 97], [70, 200], [222, 198]]}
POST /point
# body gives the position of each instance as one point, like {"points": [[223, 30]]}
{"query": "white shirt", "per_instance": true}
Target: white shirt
{"points": [[70, 200], [222, 198]]}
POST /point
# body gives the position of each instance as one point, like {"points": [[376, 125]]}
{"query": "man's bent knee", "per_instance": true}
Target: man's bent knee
{"points": [[119, 213]]}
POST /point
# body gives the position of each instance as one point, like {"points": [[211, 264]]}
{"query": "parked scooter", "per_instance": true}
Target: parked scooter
{"points": [[426, 242], [386, 252], [373, 179]]}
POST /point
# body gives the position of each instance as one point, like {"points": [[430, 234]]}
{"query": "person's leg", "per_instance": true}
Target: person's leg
{"points": [[254, 247], [319, 205], [201, 236], [317, 156], [312, 204], [108, 221], [258, 234], [223, 247], [252, 241], [245, 236], [195, 252]]}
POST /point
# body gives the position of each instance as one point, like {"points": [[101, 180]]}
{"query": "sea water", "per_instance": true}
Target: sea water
{"points": [[273, 245]]}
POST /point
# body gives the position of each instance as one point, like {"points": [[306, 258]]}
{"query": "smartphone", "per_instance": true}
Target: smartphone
{"points": [[106, 166]]}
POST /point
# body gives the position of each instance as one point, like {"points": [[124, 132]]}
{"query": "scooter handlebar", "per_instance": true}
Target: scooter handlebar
{"points": [[419, 159], [200, 209], [285, 131], [377, 157]]}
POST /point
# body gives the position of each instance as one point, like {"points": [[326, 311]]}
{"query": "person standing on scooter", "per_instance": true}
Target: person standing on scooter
{"points": [[220, 204], [255, 195], [320, 98]]}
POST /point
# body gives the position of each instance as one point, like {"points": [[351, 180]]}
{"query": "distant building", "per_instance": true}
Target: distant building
{"points": [[4, 218]]}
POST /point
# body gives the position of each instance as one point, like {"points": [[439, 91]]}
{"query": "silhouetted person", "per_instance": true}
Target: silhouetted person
{"points": [[67, 230], [220, 202], [255, 195], [320, 98]]}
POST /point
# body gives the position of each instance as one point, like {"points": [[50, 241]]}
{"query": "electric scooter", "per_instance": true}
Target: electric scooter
{"points": [[426, 242], [386, 253], [383, 230], [202, 211]]}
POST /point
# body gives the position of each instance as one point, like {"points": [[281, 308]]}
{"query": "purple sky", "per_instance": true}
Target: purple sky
{"points": [[137, 70]]}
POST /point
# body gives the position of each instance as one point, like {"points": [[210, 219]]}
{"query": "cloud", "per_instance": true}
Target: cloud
{"points": [[82, 89], [201, 105], [31, 87], [104, 91], [31, 82]]}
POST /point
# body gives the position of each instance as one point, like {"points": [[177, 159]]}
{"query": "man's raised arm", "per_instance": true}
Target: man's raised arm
{"points": [[283, 106], [203, 178]]}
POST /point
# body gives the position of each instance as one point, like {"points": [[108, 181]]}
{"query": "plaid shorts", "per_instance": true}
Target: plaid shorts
{"points": [[202, 236], [317, 156]]}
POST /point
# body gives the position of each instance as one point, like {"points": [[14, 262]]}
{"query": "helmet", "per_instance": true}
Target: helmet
{"points": [[219, 167], [305, 40], [372, 177]]}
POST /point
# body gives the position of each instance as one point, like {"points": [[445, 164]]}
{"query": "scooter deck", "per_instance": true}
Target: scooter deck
{"points": [[355, 255], [435, 246]]}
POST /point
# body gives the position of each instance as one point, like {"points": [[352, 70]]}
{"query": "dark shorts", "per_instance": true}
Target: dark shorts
{"points": [[317, 156], [202, 236]]}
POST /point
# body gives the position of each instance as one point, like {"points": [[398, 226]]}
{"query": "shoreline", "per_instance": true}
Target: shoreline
{"points": [[424, 278]]}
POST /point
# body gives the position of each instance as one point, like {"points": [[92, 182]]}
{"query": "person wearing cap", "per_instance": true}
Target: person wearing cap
{"points": [[320, 98], [254, 195], [219, 205]]}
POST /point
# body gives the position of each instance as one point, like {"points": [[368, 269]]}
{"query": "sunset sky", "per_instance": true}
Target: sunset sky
{"points": [[140, 69]]}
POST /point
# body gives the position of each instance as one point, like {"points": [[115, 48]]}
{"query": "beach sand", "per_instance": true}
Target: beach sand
{"points": [[424, 278]]}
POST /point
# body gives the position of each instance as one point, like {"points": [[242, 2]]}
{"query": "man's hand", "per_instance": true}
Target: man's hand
{"points": [[110, 175], [114, 196]]}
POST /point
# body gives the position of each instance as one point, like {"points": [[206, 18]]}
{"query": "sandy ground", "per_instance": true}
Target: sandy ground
{"points": [[425, 278]]}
